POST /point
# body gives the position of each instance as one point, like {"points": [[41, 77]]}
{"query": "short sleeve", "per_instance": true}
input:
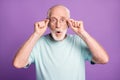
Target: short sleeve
{"points": [[31, 57]]}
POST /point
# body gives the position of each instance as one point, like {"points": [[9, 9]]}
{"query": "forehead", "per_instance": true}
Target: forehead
{"points": [[59, 12]]}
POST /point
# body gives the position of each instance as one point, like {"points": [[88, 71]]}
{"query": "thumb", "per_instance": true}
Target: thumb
{"points": [[70, 23], [46, 22]]}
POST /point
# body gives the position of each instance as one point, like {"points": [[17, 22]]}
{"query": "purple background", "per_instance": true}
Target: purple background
{"points": [[101, 19]]}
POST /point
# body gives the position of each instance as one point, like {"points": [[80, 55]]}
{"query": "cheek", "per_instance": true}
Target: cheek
{"points": [[65, 27], [52, 27]]}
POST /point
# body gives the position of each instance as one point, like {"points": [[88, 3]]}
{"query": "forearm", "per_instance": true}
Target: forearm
{"points": [[98, 53], [21, 58]]}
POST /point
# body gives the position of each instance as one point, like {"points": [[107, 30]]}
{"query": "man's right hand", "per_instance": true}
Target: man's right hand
{"points": [[21, 58], [40, 27]]}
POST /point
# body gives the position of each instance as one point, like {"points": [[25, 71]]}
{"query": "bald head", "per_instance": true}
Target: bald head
{"points": [[58, 9]]}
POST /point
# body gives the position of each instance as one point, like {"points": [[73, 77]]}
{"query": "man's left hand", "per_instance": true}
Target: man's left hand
{"points": [[77, 26]]}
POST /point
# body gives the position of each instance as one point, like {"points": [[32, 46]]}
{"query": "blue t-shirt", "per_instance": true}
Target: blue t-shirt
{"points": [[60, 60]]}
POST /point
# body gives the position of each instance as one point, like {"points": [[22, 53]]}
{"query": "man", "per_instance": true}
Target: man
{"points": [[59, 56]]}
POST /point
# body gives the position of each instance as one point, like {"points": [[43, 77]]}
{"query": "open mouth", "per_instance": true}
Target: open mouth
{"points": [[58, 32]]}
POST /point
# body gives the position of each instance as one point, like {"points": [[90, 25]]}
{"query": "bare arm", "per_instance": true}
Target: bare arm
{"points": [[99, 54], [21, 57]]}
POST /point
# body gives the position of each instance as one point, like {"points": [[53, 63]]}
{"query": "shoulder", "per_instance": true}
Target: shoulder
{"points": [[74, 37], [77, 39], [43, 38]]}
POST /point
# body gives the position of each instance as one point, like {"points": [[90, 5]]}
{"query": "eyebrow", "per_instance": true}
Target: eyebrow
{"points": [[60, 17]]}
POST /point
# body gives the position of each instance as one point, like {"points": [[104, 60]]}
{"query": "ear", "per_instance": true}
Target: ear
{"points": [[49, 22], [67, 24]]}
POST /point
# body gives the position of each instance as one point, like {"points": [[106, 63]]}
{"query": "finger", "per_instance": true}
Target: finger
{"points": [[81, 23], [36, 24], [46, 22], [70, 22], [75, 24], [40, 24], [78, 24]]}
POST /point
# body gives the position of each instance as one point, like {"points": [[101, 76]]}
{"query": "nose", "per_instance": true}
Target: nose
{"points": [[58, 24]]}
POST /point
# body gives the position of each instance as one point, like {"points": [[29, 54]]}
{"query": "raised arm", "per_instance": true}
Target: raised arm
{"points": [[22, 55], [99, 54]]}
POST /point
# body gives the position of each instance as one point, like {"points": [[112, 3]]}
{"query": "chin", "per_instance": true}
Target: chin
{"points": [[59, 36]]}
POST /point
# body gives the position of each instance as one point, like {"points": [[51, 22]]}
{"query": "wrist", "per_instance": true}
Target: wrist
{"points": [[36, 35], [83, 34]]}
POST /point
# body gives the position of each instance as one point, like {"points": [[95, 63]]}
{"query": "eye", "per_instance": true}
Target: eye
{"points": [[53, 20], [63, 20]]}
